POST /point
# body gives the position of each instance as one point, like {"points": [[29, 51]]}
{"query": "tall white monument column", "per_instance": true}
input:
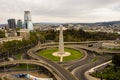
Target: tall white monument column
{"points": [[61, 53], [61, 42]]}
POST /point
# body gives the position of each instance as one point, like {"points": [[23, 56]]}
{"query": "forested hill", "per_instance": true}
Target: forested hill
{"points": [[101, 23]]}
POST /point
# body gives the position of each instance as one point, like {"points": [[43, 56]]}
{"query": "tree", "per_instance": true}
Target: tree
{"points": [[33, 37], [42, 38], [116, 60], [2, 34]]}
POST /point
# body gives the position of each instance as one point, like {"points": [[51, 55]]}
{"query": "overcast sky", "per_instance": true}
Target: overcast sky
{"points": [[61, 10]]}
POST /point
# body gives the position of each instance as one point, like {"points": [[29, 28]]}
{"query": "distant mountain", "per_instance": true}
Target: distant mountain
{"points": [[101, 23], [90, 24], [108, 23], [97, 23], [1, 25], [48, 23]]}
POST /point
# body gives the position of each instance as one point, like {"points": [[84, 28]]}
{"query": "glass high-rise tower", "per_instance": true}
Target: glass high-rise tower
{"points": [[12, 23], [27, 21], [19, 23]]}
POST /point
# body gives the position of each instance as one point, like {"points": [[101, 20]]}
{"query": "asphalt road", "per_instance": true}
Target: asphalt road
{"points": [[89, 57], [65, 74], [77, 68], [79, 72]]}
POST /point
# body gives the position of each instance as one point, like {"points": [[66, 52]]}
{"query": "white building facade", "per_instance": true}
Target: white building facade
{"points": [[27, 21]]}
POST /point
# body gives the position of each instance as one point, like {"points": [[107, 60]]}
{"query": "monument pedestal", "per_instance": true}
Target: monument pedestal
{"points": [[57, 54]]}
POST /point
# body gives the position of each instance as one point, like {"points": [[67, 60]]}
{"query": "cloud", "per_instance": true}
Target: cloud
{"points": [[61, 10]]}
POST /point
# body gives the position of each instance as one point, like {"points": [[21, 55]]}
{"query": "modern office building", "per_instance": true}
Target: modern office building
{"points": [[12, 23], [19, 23], [27, 21]]}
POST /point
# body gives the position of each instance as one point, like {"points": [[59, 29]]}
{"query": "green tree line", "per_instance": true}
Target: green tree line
{"points": [[16, 46], [76, 35]]}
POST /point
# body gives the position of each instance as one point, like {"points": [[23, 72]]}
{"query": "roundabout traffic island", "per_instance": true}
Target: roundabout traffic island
{"points": [[52, 54], [61, 53]]}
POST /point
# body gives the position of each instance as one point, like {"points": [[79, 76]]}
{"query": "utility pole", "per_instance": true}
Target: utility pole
{"points": [[27, 67]]}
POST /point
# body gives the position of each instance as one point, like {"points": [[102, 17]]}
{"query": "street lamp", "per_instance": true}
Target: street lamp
{"points": [[4, 64], [27, 66], [101, 76]]}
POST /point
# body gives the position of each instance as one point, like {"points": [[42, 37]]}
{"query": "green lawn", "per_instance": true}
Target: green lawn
{"points": [[114, 49], [18, 56], [94, 59], [24, 66], [48, 54]]}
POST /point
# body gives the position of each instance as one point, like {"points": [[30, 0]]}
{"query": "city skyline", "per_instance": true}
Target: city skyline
{"points": [[62, 10]]}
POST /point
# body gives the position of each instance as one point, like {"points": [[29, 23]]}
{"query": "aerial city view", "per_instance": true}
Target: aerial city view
{"points": [[59, 39]]}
